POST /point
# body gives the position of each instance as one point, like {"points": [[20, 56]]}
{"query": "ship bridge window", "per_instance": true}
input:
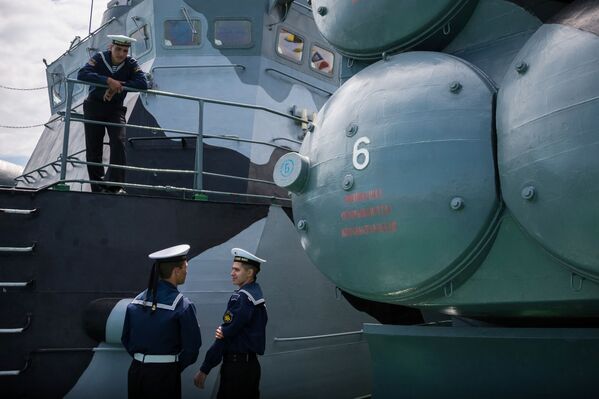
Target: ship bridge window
{"points": [[58, 93], [290, 45], [58, 85], [233, 33], [143, 41], [322, 60], [182, 33]]}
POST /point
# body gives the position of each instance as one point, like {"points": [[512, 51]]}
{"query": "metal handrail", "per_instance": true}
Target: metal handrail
{"points": [[301, 5], [276, 339], [198, 184], [17, 249], [17, 330], [286, 139], [18, 284], [240, 66], [180, 171], [5, 373], [216, 137], [195, 98], [18, 211], [166, 188], [43, 167]]}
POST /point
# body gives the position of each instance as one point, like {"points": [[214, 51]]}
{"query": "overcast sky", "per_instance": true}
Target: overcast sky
{"points": [[31, 30]]}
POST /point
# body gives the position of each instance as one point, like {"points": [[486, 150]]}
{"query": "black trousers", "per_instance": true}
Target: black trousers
{"points": [[239, 377], [94, 141], [154, 380]]}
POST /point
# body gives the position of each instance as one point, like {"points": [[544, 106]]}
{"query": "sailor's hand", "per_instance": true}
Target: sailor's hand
{"points": [[219, 333], [114, 85], [108, 95], [200, 379]]}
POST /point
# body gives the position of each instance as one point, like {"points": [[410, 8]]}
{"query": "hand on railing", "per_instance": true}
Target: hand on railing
{"points": [[108, 95], [115, 85]]}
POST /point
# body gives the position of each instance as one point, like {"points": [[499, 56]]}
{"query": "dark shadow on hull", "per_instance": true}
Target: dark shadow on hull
{"points": [[87, 246], [179, 154]]}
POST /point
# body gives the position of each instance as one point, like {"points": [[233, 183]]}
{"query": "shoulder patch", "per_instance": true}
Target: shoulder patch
{"points": [[234, 297], [227, 317], [92, 62]]}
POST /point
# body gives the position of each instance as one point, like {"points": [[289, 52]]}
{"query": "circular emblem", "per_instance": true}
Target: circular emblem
{"points": [[287, 167]]}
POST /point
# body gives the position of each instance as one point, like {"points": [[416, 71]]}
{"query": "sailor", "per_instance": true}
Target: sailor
{"points": [[115, 69], [241, 336], [161, 331]]}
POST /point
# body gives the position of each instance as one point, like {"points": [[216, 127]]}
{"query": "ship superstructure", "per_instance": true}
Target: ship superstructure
{"points": [[235, 85]]}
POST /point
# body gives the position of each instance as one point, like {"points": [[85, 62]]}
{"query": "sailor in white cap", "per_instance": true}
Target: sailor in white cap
{"points": [[241, 336], [115, 69], [161, 330]]}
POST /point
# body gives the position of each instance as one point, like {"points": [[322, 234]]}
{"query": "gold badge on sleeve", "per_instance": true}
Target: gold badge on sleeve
{"points": [[228, 317]]}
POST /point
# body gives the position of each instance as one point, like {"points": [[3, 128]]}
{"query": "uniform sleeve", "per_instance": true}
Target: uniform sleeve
{"points": [[191, 338], [213, 356], [91, 71], [240, 314], [138, 77], [125, 335]]}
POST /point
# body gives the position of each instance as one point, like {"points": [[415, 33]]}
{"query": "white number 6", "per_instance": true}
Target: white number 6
{"points": [[363, 151]]}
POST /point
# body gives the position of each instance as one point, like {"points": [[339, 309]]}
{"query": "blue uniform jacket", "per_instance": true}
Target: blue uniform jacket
{"points": [[99, 68], [244, 326], [171, 329]]}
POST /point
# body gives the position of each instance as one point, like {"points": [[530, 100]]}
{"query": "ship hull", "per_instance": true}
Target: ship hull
{"points": [[90, 254], [490, 362]]}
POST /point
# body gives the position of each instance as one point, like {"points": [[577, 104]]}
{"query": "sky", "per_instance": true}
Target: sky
{"points": [[31, 30]]}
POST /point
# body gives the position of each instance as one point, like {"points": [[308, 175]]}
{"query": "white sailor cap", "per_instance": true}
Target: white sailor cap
{"points": [[241, 255], [121, 40], [171, 254]]}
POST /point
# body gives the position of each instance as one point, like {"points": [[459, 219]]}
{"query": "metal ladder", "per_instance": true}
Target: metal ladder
{"points": [[17, 284]]}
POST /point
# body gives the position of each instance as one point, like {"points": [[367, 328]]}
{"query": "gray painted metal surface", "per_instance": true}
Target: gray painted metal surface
{"points": [[547, 143], [493, 36], [391, 170], [300, 303], [475, 362], [334, 359], [367, 29]]}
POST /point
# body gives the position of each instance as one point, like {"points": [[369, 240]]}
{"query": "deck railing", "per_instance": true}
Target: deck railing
{"points": [[61, 164]]}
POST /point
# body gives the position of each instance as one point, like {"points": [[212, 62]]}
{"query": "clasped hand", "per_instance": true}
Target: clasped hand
{"points": [[114, 86]]}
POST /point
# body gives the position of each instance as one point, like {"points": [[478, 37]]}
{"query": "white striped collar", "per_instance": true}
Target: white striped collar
{"points": [[110, 66], [254, 301], [139, 301]]}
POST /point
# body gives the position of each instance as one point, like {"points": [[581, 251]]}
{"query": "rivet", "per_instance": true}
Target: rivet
{"points": [[302, 224], [522, 67], [348, 182], [322, 11], [455, 87], [528, 193], [456, 203], [385, 56], [310, 127], [351, 130]]}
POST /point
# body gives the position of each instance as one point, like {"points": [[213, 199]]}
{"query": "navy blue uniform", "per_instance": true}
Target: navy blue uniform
{"points": [[244, 331], [172, 329], [97, 70]]}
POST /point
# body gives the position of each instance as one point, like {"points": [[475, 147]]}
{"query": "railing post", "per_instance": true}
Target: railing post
{"points": [[199, 164], [67, 125]]}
